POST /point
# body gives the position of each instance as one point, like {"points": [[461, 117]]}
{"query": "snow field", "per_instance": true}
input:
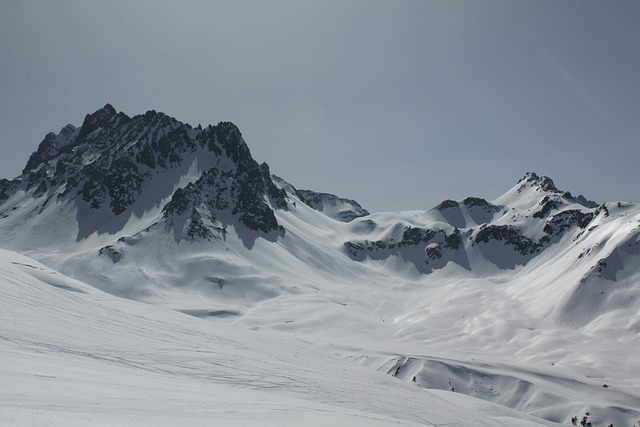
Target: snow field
{"points": [[72, 355]]}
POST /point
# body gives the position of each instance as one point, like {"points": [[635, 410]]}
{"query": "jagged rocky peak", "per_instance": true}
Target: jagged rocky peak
{"points": [[532, 179], [544, 184], [51, 146], [106, 164], [97, 119]]}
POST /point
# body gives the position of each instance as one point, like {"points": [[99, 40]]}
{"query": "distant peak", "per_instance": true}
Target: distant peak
{"points": [[97, 119], [546, 185], [543, 182], [105, 112], [108, 108], [151, 114]]}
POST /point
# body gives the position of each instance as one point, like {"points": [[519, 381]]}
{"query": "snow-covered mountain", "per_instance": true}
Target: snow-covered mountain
{"points": [[530, 301]]}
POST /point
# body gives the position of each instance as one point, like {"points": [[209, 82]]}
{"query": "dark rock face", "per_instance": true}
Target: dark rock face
{"points": [[250, 183], [46, 150], [448, 204], [547, 205], [197, 228], [5, 188], [510, 236], [563, 221], [93, 122], [112, 253], [180, 202], [453, 240], [422, 246], [414, 236], [277, 195]]}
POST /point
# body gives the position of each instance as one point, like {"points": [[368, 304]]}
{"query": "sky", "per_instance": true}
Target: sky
{"points": [[396, 104]]}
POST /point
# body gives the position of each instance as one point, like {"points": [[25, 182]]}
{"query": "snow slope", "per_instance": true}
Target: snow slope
{"points": [[72, 355]]}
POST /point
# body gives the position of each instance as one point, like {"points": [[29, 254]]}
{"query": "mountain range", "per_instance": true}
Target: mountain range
{"points": [[530, 301]]}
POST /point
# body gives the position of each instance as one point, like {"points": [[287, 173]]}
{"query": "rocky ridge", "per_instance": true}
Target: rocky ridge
{"points": [[106, 162], [471, 224]]}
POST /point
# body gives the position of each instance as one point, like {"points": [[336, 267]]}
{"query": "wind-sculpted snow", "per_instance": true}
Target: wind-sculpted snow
{"points": [[530, 300], [536, 391]]}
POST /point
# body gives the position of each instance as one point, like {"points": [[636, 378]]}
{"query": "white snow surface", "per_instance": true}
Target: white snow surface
{"points": [[289, 330], [75, 356]]}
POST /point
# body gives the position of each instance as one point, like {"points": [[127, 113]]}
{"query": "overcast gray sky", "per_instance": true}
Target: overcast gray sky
{"points": [[397, 104]]}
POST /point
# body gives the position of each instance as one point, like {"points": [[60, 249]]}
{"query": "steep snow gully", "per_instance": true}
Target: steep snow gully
{"points": [[154, 273]]}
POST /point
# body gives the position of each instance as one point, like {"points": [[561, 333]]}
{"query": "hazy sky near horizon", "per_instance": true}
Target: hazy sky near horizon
{"points": [[397, 104]]}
